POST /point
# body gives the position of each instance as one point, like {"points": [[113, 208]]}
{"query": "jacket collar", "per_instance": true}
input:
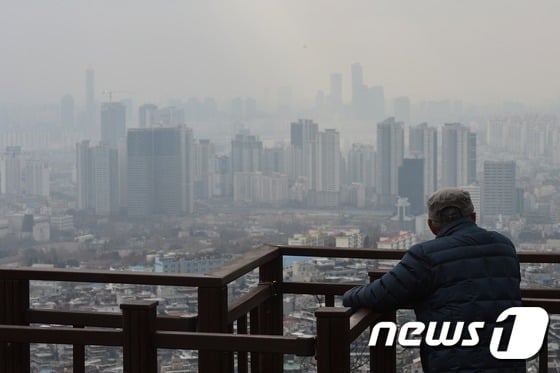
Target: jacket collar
{"points": [[455, 226]]}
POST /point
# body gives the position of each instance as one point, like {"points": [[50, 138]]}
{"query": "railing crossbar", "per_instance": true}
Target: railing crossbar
{"points": [[301, 346], [31, 334]]}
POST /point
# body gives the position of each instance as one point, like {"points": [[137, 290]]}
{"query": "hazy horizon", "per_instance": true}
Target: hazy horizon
{"points": [[480, 52]]}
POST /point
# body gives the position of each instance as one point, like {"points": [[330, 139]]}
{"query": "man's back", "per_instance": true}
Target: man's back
{"points": [[475, 277], [466, 274]]}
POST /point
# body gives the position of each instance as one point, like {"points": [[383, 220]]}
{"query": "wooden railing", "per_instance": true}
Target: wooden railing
{"points": [[257, 317]]}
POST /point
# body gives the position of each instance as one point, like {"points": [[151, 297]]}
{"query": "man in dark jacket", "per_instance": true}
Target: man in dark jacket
{"points": [[465, 274]]}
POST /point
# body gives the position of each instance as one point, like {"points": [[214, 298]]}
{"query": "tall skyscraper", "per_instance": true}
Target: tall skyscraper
{"points": [[423, 144], [113, 123], [328, 189], [160, 171], [147, 115], [67, 111], [274, 160], [305, 153], [390, 153], [36, 178], [204, 169], [246, 153], [361, 165], [367, 102], [84, 176], [106, 179], [335, 101], [359, 92], [458, 155], [498, 188], [476, 198], [471, 172], [11, 164], [246, 163], [90, 100], [97, 178], [411, 184]]}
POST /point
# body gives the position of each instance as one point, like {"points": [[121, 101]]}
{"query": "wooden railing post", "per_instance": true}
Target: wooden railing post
{"points": [[543, 355], [79, 356], [271, 313], [14, 296], [383, 359], [139, 325], [212, 317], [254, 329], [333, 340]]}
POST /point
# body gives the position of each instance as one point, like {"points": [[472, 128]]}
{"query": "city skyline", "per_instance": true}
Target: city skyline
{"points": [[477, 52]]}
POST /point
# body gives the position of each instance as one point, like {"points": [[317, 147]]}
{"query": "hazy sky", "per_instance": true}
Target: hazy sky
{"points": [[476, 50]]}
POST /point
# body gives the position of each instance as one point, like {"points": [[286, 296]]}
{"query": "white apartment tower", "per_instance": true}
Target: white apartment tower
{"points": [[97, 178], [328, 190], [423, 144], [390, 153], [458, 155], [11, 164], [498, 189]]}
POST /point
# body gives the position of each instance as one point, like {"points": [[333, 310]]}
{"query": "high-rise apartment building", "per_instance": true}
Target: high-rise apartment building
{"points": [[305, 153], [274, 160], [11, 164], [22, 174], [97, 178], [84, 176], [160, 171], [423, 144], [246, 153], [36, 178], [204, 169], [360, 165], [113, 123], [246, 162], [498, 189], [328, 190], [390, 153], [147, 116], [411, 184], [315, 162], [476, 198], [458, 155], [359, 92], [335, 98], [105, 179], [91, 117]]}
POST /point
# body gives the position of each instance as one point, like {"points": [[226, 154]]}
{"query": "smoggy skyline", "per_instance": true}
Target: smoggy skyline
{"points": [[477, 51]]}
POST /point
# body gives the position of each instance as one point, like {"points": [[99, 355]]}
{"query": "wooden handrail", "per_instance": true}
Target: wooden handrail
{"points": [[216, 317]]}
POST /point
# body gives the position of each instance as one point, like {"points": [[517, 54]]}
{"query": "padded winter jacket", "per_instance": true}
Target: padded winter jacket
{"points": [[465, 274]]}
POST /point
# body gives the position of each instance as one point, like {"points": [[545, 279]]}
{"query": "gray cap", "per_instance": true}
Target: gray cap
{"points": [[449, 197]]}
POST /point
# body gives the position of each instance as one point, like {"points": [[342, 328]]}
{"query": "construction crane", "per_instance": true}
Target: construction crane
{"points": [[110, 93]]}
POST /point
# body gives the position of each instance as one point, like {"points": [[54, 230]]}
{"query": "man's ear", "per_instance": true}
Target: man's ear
{"points": [[432, 227]]}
